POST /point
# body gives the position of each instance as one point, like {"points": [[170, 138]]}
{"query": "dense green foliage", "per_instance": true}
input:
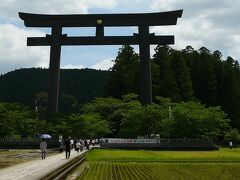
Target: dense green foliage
{"points": [[192, 119], [18, 121], [119, 118], [232, 135], [184, 76], [128, 118], [124, 76], [75, 85], [78, 126]]}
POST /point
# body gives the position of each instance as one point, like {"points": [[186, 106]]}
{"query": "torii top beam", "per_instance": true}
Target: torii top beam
{"points": [[99, 21], [91, 20]]}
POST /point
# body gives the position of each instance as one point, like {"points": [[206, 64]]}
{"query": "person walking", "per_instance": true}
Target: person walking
{"points": [[81, 145], [67, 145], [61, 147], [72, 143], [43, 148], [77, 146], [88, 143], [85, 143], [230, 145], [93, 142]]}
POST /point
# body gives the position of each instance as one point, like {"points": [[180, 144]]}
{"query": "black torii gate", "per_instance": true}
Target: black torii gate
{"points": [[57, 39]]}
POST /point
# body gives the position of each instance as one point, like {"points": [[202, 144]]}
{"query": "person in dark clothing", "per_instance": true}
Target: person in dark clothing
{"points": [[67, 145], [85, 143], [61, 147], [75, 145], [81, 145]]}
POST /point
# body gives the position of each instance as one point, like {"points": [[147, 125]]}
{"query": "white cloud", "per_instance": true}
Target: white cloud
{"points": [[104, 65], [72, 66], [14, 52], [9, 8], [213, 24]]}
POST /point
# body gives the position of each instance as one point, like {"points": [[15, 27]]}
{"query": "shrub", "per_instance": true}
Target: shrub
{"points": [[232, 135]]}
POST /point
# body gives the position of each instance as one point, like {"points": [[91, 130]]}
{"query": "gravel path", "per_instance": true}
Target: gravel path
{"points": [[36, 169]]}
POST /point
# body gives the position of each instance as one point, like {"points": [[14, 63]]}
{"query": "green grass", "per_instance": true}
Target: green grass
{"points": [[153, 165], [222, 155], [154, 171]]}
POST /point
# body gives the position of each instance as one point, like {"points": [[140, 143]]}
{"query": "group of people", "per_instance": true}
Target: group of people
{"points": [[68, 145], [78, 145]]}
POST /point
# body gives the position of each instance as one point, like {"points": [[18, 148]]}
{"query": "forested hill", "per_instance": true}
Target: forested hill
{"points": [[182, 75], [22, 85]]}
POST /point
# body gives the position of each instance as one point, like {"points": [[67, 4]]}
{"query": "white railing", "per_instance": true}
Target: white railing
{"points": [[172, 141]]}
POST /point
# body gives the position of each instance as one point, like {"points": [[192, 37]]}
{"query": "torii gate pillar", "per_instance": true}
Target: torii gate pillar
{"points": [[54, 69], [145, 76]]}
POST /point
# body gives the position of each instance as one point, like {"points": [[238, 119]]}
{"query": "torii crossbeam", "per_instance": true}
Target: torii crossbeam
{"points": [[144, 39]]}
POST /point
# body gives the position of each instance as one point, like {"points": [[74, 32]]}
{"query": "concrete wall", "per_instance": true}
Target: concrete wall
{"points": [[176, 144]]}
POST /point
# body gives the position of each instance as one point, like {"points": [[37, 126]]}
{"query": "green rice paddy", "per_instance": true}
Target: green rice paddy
{"points": [[154, 171], [150, 165], [222, 155]]}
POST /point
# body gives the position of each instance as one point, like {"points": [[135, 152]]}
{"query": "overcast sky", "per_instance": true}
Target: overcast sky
{"points": [[214, 24]]}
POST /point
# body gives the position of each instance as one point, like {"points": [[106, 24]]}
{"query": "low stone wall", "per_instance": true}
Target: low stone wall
{"points": [[6, 143], [166, 144]]}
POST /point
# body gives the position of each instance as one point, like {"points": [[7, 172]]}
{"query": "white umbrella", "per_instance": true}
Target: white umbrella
{"points": [[45, 136]]}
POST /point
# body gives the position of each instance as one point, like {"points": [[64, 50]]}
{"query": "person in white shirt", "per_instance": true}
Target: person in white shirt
{"points": [[78, 146], [72, 143], [43, 148], [93, 142], [88, 143], [230, 145]]}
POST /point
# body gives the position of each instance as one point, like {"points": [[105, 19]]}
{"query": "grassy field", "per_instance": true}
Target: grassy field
{"points": [[146, 165], [222, 155], [153, 171]]}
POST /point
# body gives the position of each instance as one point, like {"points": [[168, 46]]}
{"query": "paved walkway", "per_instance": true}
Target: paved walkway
{"points": [[33, 170]]}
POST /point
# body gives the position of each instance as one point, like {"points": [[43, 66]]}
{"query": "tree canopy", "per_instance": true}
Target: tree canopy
{"points": [[186, 75]]}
